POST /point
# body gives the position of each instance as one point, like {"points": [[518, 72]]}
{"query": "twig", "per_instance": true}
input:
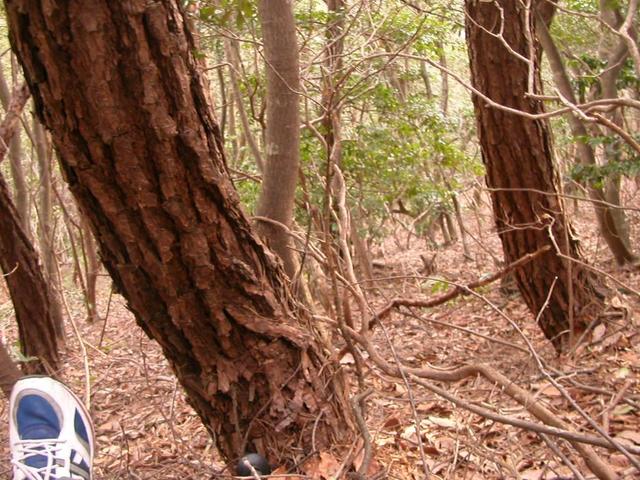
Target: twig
{"points": [[553, 424], [11, 272], [612, 404], [106, 316], [83, 349], [554, 448], [455, 291], [357, 403], [469, 331], [414, 411]]}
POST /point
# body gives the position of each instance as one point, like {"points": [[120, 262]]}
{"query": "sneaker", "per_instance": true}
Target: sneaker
{"points": [[50, 432]]}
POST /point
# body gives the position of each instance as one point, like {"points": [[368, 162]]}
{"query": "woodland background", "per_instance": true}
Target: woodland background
{"points": [[389, 219]]}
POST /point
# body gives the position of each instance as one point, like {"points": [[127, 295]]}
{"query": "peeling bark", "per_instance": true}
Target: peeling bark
{"points": [[119, 88]]}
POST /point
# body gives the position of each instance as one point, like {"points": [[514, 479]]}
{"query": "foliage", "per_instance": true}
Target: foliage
{"points": [[628, 164], [223, 12]]}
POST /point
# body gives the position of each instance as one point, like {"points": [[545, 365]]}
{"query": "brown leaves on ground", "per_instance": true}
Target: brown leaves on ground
{"points": [[146, 429]]}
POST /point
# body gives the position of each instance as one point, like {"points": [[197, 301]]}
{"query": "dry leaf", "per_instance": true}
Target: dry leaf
{"points": [[374, 465], [598, 332], [347, 359], [443, 422], [322, 467], [632, 435], [549, 390], [392, 422], [282, 471]]}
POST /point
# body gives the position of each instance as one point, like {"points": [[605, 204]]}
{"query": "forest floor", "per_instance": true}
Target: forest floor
{"points": [[146, 430]]}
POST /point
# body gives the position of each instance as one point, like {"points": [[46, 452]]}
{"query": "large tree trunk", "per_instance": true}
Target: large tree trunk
{"points": [[517, 154], [119, 87], [29, 291], [282, 138]]}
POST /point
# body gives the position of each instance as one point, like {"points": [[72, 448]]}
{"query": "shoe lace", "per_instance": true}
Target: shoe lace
{"points": [[23, 450]]}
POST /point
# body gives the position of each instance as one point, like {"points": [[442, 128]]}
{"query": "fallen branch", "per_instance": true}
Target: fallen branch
{"points": [[553, 425], [454, 291]]}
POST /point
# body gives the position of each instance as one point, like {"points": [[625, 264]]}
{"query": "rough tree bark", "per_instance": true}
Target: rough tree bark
{"points": [[29, 291], [517, 154], [119, 88], [282, 136]]}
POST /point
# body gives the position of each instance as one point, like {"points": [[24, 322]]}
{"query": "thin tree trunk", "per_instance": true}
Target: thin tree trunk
{"points": [[224, 101], [282, 145], [332, 129], [362, 254], [451, 228], [517, 154], [604, 215], [233, 55], [614, 57], [461, 226], [21, 192], [19, 261], [446, 237], [45, 226], [171, 230], [424, 74], [232, 134], [91, 266], [444, 80]]}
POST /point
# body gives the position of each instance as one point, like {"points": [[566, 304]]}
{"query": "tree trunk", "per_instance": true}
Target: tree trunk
{"points": [[614, 56], [517, 154], [446, 236], [362, 252], [9, 372], [451, 228], [28, 289], [128, 109], [424, 74], [282, 145], [19, 261], [45, 225], [444, 80], [20, 190], [463, 230], [233, 55], [91, 268], [606, 222]]}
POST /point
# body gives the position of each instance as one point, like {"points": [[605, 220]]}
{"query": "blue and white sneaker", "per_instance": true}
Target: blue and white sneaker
{"points": [[50, 432]]}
